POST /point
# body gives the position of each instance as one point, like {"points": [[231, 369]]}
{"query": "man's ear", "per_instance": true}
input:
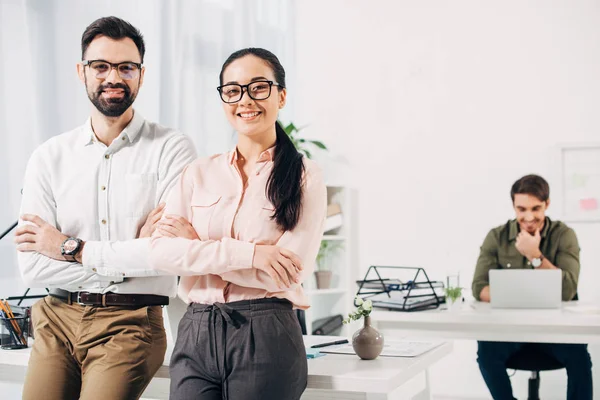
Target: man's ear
{"points": [[142, 71], [547, 204], [81, 72]]}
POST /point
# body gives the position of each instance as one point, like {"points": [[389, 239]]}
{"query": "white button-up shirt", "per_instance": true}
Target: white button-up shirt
{"points": [[102, 195]]}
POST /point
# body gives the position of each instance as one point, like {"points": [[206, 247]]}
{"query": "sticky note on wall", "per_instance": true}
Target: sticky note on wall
{"points": [[590, 204]]}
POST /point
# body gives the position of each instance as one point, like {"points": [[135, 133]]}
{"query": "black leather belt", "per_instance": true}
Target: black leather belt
{"points": [[109, 299]]}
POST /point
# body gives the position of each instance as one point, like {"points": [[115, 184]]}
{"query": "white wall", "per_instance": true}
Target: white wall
{"points": [[438, 107]]}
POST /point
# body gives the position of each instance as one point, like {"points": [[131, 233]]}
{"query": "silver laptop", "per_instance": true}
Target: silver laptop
{"points": [[525, 288]]}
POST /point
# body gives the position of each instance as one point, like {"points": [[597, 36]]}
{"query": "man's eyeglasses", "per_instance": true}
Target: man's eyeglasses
{"points": [[101, 69], [258, 90]]}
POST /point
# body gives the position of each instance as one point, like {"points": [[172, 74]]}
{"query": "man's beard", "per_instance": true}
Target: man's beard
{"points": [[112, 107]]}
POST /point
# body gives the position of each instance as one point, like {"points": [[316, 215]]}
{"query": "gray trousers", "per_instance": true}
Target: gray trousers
{"points": [[244, 350]]}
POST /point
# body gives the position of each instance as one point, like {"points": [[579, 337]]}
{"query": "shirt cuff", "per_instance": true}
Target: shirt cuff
{"points": [[92, 261], [91, 258], [242, 255]]}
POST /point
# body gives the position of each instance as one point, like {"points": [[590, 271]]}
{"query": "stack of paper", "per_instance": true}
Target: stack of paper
{"points": [[391, 348]]}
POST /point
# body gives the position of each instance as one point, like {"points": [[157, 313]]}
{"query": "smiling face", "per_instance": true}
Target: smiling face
{"points": [[253, 118], [111, 95], [530, 212]]}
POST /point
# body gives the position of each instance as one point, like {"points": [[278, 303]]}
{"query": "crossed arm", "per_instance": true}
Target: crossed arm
{"points": [[39, 241], [175, 246]]}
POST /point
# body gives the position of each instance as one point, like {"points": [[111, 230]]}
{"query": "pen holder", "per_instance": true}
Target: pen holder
{"points": [[14, 332]]}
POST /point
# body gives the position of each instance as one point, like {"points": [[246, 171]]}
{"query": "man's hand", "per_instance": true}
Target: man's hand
{"points": [[176, 226], [484, 295], [40, 237], [150, 225], [282, 265], [529, 245]]}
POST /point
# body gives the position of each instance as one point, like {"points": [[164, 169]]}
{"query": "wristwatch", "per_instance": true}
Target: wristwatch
{"points": [[70, 247], [536, 262]]}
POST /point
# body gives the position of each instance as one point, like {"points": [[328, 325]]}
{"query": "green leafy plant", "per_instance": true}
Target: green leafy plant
{"points": [[326, 249], [300, 143], [453, 293], [363, 310]]}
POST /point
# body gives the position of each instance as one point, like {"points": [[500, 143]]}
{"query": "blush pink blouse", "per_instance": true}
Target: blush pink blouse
{"points": [[230, 220]]}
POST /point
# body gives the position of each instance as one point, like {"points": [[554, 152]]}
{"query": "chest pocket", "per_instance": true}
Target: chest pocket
{"points": [[262, 228], [512, 262], [203, 209], [141, 193]]}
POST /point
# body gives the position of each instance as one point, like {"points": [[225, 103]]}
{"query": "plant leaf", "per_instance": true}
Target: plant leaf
{"points": [[290, 129], [308, 154], [318, 144]]}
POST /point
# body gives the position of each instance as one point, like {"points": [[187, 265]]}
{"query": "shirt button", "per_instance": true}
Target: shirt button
{"points": [[123, 138], [508, 265], [103, 188], [107, 156], [94, 269], [104, 222]]}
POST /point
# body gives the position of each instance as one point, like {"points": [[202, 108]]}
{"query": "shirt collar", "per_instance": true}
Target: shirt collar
{"points": [[87, 136], [513, 229], [267, 155], [131, 131]]}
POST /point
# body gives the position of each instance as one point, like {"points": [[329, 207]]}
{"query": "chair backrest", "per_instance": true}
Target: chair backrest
{"points": [[532, 358], [301, 320]]}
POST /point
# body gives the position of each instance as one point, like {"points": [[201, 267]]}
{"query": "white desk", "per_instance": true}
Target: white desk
{"points": [[334, 376], [479, 321]]}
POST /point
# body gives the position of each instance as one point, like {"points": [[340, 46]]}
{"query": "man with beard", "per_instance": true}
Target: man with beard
{"points": [[531, 241], [89, 207]]}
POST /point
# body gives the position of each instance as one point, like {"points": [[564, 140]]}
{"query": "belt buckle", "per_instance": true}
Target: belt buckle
{"points": [[78, 299]]}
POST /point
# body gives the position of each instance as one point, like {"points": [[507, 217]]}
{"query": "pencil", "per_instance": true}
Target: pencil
{"points": [[16, 323]]}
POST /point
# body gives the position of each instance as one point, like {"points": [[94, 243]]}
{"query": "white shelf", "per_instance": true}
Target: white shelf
{"points": [[334, 237], [338, 300], [315, 292]]}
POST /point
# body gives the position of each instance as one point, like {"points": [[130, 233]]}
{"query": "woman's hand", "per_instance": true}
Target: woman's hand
{"points": [[282, 265], [176, 226], [151, 221]]}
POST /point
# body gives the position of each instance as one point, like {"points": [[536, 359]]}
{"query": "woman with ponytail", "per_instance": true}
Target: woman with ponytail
{"points": [[243, 229]]}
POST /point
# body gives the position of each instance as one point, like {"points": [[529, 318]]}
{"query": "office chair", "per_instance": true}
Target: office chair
{"points": [[531, 358], [301, 320]]}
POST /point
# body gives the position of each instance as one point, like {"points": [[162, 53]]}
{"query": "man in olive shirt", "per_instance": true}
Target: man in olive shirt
{"points": [[531, 241]]}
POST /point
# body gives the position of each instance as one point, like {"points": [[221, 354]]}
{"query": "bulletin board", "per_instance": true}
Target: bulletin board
{"points": [[580, 182]]}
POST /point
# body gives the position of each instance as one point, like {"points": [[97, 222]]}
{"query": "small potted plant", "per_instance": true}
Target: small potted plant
{"points": [[453, 298], [367, 341], [323, 273], [300, 143]]}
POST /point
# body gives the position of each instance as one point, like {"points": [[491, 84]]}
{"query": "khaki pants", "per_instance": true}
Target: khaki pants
{"points": [[85, 352]]}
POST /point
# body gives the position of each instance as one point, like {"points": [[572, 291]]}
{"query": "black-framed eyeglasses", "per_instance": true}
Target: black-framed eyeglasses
{"points": [[257, 90], [101, 68]]}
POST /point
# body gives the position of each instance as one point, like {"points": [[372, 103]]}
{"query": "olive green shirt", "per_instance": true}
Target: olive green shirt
{"points": [[558, 244]]}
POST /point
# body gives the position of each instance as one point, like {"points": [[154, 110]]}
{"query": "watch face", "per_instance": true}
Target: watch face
{"points": [[536, 262], [70, 246]]}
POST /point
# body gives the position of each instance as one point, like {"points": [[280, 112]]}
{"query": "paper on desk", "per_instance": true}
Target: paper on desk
{"points": [[391, 348]]}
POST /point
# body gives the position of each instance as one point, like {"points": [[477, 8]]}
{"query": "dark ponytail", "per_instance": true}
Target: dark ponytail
{"points": [[284, 186]]}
